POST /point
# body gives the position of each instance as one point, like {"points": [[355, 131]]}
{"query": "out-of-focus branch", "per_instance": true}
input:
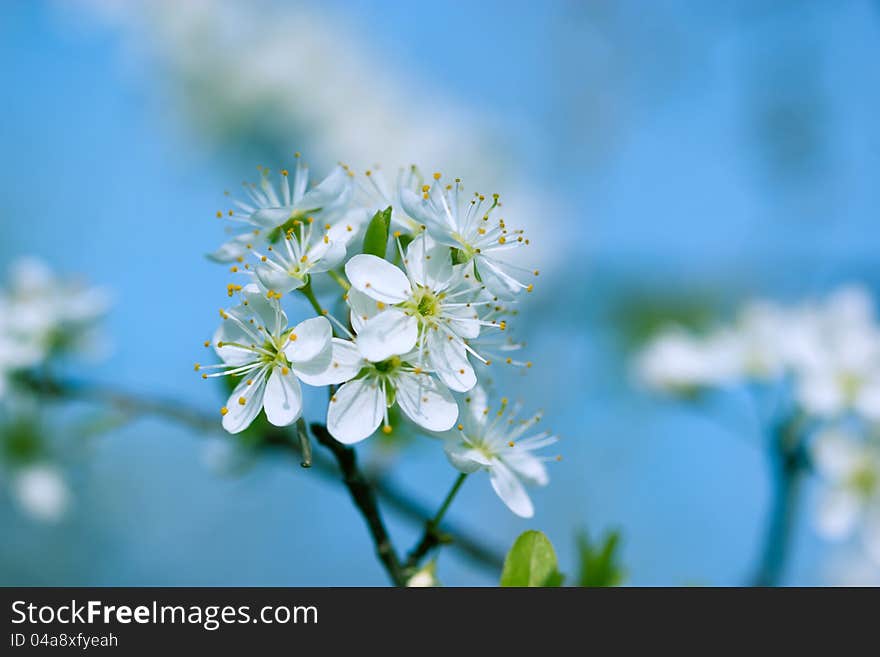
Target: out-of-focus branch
{"points": [[137, 405], [788, 463]]}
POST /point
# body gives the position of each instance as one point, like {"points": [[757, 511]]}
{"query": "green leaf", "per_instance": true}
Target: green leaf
{"points": [[600, 564], [376, 237], [531, 562]]}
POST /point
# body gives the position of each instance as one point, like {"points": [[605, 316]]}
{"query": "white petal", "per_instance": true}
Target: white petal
{"points": [[230, 332], [429, 264], [308, 340], [463, 457], [837, 513], [511, 491], [239, 416], [268, 311], [417, 208], [362, 308], [346, 229], [387, 334], [496, 280], [343, 365], [463, 321], [333, 191], [275, 279], [356, 411], [426, 402], [449, 359], [282, 399], [526, 466], [271, 217], [819, 394], [233, 249], [378, 278]]}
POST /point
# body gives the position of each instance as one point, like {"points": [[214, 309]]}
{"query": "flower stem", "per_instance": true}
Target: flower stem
{"points": [[437, 519], [305, 444], [340, 280], [431, 538], [309, 294]]}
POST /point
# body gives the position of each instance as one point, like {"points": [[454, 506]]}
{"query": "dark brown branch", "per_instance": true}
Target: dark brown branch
{"points": [[364, 498]]}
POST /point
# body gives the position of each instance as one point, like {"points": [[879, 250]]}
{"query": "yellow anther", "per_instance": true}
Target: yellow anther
{"points": [[386, 429], [426, 188], [368, 173], [529, 364], [559, 458], [285, 371], [503, 325], [207, 343], [530, 287], [250, 382], [242, 401], [239, 259], [508, 361], [233, 269], [510, 444], [380, 305], [293, 337], [197, 367], [349, 228], [224, 411], [219, 344], [437, 176], [219, 214], [284, 172], [297, 154], [397, 233], [204, 376], [333, 398], [308, 220], [326, 226], [502, 239]]}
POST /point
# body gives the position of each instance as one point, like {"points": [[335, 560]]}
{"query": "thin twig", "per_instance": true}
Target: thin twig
{"points": [[364, 498], [431, 537]]}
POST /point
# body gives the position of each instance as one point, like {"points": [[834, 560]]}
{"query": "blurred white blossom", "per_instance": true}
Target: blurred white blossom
{"points": [[43, 316], [41, 492], [829, 351], [849, 466]]}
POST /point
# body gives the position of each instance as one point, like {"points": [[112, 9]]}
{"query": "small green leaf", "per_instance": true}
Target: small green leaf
{"points": [[531, 562], [376, 237], [600, 561]]}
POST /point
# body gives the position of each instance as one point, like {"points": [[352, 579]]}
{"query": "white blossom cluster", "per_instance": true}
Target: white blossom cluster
{"points": [[829, 352], [42, 317], [426, 311], [827, 356]]}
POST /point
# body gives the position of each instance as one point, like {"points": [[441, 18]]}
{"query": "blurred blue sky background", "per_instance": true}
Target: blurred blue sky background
{"points": [[669, 152]]}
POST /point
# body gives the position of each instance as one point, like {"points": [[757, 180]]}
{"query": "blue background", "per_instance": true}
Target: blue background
{"points": [[708, 151]]}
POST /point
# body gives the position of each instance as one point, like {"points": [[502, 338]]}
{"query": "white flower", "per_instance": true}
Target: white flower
{"points": [[266, 213], [425, 577], [375, 194], [41, 492], [675, 361], [466, 224], [359, 406], [43, 315], [492, 441], [434, 308], [255, 343], [842, 370], [849, 464]]}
